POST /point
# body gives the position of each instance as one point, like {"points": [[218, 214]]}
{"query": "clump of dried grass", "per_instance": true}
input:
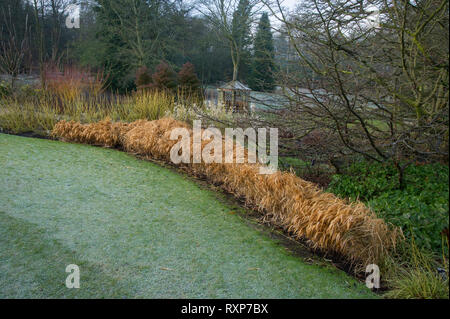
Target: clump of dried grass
{"points": [[327, 222], [102, 133]]}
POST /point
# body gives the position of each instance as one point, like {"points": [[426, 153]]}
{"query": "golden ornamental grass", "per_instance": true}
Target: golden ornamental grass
{"points": [[327, 222]]}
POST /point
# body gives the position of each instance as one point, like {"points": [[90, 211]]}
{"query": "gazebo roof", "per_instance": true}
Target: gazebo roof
{"points": [[234, 85]]}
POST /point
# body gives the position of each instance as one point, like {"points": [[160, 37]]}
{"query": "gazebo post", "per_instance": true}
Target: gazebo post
{"points": [[233, 99], [229, 95]]}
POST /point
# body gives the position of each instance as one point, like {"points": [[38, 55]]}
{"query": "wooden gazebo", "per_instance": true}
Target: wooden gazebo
{"points": [[235, 96]]}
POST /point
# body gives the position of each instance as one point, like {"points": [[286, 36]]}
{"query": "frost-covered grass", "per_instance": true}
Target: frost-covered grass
{"points": [[135, 230]]}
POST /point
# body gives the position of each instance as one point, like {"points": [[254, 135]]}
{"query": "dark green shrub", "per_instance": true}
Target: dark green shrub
{"points": [[5, 89]]}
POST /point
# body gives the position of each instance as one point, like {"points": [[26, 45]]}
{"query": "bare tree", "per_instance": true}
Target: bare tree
{"points": [[38, 10], [380, 89], [220, 14], [56, 11], [12, 48]]}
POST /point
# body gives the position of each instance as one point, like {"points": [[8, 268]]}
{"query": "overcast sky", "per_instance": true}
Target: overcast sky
{"points": [[289, 4]]}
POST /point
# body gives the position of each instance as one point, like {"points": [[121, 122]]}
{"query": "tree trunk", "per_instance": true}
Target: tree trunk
{"points": [[401, 175], [235, 71]]}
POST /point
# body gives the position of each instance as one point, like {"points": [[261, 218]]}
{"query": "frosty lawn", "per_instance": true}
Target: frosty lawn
{"points": [[136, 230]]}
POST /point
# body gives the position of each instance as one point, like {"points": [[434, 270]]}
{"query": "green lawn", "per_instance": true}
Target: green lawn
{"points": [[135, 230]]}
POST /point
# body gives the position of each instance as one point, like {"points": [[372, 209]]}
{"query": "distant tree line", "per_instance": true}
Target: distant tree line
{"points": [[120, 37]]}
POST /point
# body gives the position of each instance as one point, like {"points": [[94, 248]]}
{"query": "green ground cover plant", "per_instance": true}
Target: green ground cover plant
{"points": [[419, 267], [421, 209]]}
